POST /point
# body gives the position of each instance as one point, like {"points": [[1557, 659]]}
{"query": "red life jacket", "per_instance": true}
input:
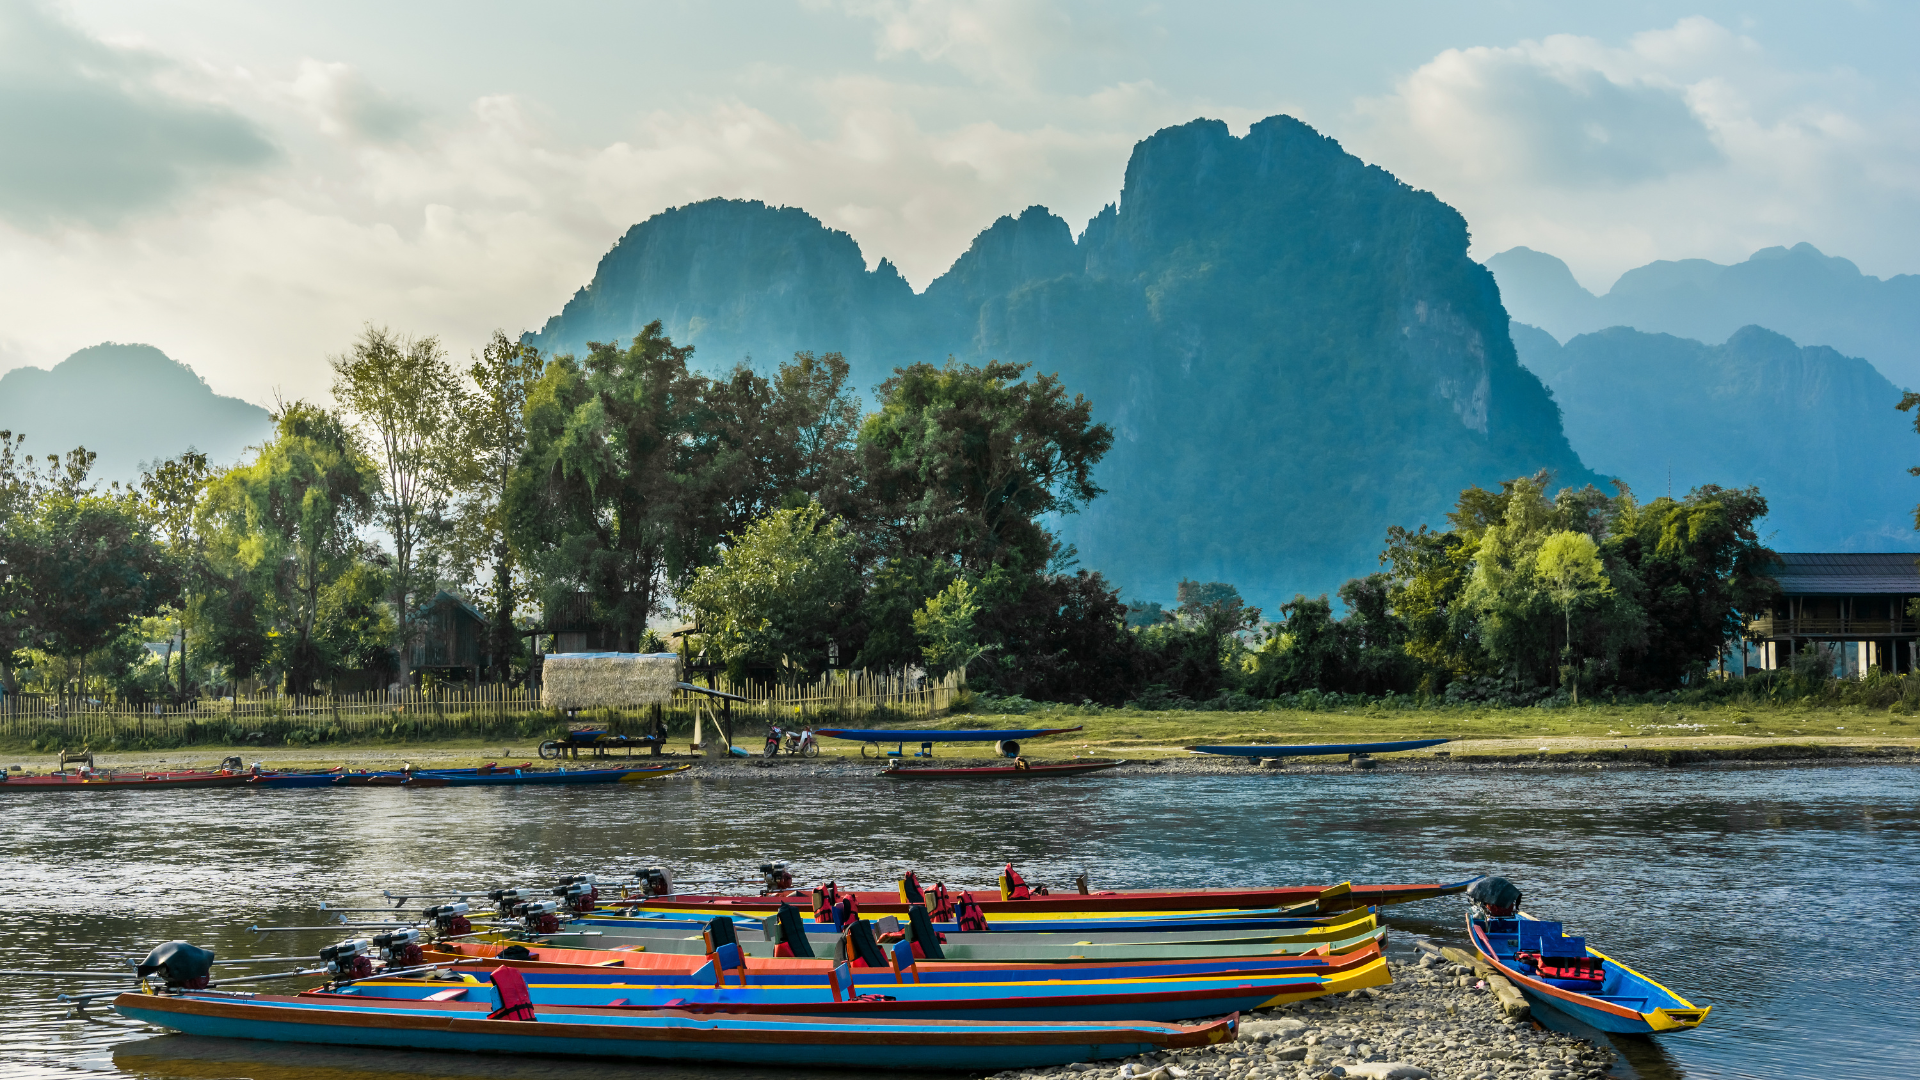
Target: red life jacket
{"points": [[942, 907], [968, 913]]}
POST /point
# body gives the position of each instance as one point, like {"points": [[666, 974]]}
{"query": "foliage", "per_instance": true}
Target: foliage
{"points": [[608, 502], [170, 493], [494, 436], [944, 626], [409, 406], [778, 594], [964, 460], [897, 589], [284, 529]]}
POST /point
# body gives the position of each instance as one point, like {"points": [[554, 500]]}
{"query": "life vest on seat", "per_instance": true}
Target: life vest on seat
{"points": [[970, 915], [515, 1002], [942, 907], [1015, 887], [910, 890], [824, 898]]}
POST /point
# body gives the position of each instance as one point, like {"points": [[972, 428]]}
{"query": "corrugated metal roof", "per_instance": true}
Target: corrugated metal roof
{"points": [[1819, 572]]}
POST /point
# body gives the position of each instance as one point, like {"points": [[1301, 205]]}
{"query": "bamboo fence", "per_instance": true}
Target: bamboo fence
{"points": [[451, 712]]}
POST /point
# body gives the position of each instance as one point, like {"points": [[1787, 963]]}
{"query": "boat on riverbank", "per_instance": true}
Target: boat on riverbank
{"points": [[543, 777], [116, 780], [1130, 902], [664, 1034], [1313, 750], [1018, 771]]}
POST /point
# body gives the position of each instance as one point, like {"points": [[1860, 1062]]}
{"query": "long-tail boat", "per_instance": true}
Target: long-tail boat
{"points": [[121, 780], [1020, 770], [1317, 749], [1347, 970], [1563, 973], [514, 1025], [894, 996], [1017, 901], [548, 777]]}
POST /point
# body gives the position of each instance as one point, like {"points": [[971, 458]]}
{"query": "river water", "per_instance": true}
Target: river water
{"points": [[1783, 897]]}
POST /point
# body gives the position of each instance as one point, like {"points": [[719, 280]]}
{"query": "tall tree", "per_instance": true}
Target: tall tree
{"points": [[779, 594], [19, 491], [287, 524], [170, 492], [1568, 564], [785, 441], [87, 564], [496, 438], [408, 401], [966, 460], [610, 494]]}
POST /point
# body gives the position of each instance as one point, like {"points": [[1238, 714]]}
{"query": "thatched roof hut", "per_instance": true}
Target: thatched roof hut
{"points": [[608, 680]]}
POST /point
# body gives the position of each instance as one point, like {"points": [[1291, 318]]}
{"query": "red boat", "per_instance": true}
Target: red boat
{"points": [[111, 780], [1325, 899], [1019, 770]]}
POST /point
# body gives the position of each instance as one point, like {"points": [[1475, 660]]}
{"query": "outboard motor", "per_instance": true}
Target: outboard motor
{"points": [[579, 893], [349, 959], [449, 920], [654, 882], [1494, 897], [400, 949], [776, 877], [504, 900], [541, 918], [180, 965]]}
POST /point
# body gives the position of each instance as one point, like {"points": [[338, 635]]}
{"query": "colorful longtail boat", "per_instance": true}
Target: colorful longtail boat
{"points": [[1561, 972], [661, 1035]]}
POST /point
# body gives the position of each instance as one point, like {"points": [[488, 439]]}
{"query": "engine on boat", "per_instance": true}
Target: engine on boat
{"points": [[400, 949], [540, 918], [504, 900], [349, 959], [654, 881], [1494, 897], [580, 893], [776, 877], [180, 965], [449, 920]]}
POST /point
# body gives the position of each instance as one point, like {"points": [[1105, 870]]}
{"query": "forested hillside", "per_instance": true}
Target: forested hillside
{"points": [[1291, 346], [1816, 430]]}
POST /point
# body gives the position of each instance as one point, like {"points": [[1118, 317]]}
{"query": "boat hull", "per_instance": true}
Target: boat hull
{"points": [[668, 1035], [1323, 748], [56, 783], [547, 779], [1169, 903], [1630, 1004], [1001, 772]]}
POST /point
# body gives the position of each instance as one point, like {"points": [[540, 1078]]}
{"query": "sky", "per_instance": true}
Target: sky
{"points": [[247, 185]]}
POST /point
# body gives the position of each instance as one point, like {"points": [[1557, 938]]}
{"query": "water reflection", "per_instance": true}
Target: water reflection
{"points": [[1756, 891]]}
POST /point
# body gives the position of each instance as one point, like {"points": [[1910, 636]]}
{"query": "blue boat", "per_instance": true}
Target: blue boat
{"points": [[1326, 748], [974, 735], [661, 1035], [1561, 972], [544, 777]]}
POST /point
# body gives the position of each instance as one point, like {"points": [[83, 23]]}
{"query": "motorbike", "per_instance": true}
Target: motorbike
{"points": [[797, 741]]}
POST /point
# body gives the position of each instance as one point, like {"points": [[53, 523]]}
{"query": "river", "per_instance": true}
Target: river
{"points": [[1783, 897]]}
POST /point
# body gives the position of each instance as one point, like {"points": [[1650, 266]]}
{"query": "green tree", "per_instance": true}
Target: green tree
{"points": [[86, 564], [786, 441], [964, 461], [409, 404], [170, 493], [610, 500], [286, 525], [944, 625], [496, 439], [1568, 565], [780, 592]]}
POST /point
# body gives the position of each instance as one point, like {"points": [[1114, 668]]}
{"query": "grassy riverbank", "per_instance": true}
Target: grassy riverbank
{"points": [[1718, 731]]}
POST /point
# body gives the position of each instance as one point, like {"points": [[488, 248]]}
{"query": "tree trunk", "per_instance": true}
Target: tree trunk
{"points": [[503, 613]]}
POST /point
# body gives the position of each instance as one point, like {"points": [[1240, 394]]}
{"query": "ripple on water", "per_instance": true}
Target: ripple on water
{"points": [[1771, 894]]}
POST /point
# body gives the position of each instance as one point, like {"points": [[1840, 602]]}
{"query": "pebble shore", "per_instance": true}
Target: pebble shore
{"points": [[1436, 1020]]}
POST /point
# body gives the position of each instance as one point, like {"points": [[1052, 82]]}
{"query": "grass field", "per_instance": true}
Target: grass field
{"points": [[1142, 734]]}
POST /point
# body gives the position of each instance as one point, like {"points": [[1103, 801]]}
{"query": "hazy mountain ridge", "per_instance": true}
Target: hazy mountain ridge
{"points": [[1800, 292], [1815, 429], [129, 404], [1292, 345]]}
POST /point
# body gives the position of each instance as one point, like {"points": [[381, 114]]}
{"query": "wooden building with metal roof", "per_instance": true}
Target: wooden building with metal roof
{"points": [[1856, 600]]}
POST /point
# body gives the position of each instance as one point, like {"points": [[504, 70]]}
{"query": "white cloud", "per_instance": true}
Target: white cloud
{"points": [[93, 132], [1684, 142]]}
